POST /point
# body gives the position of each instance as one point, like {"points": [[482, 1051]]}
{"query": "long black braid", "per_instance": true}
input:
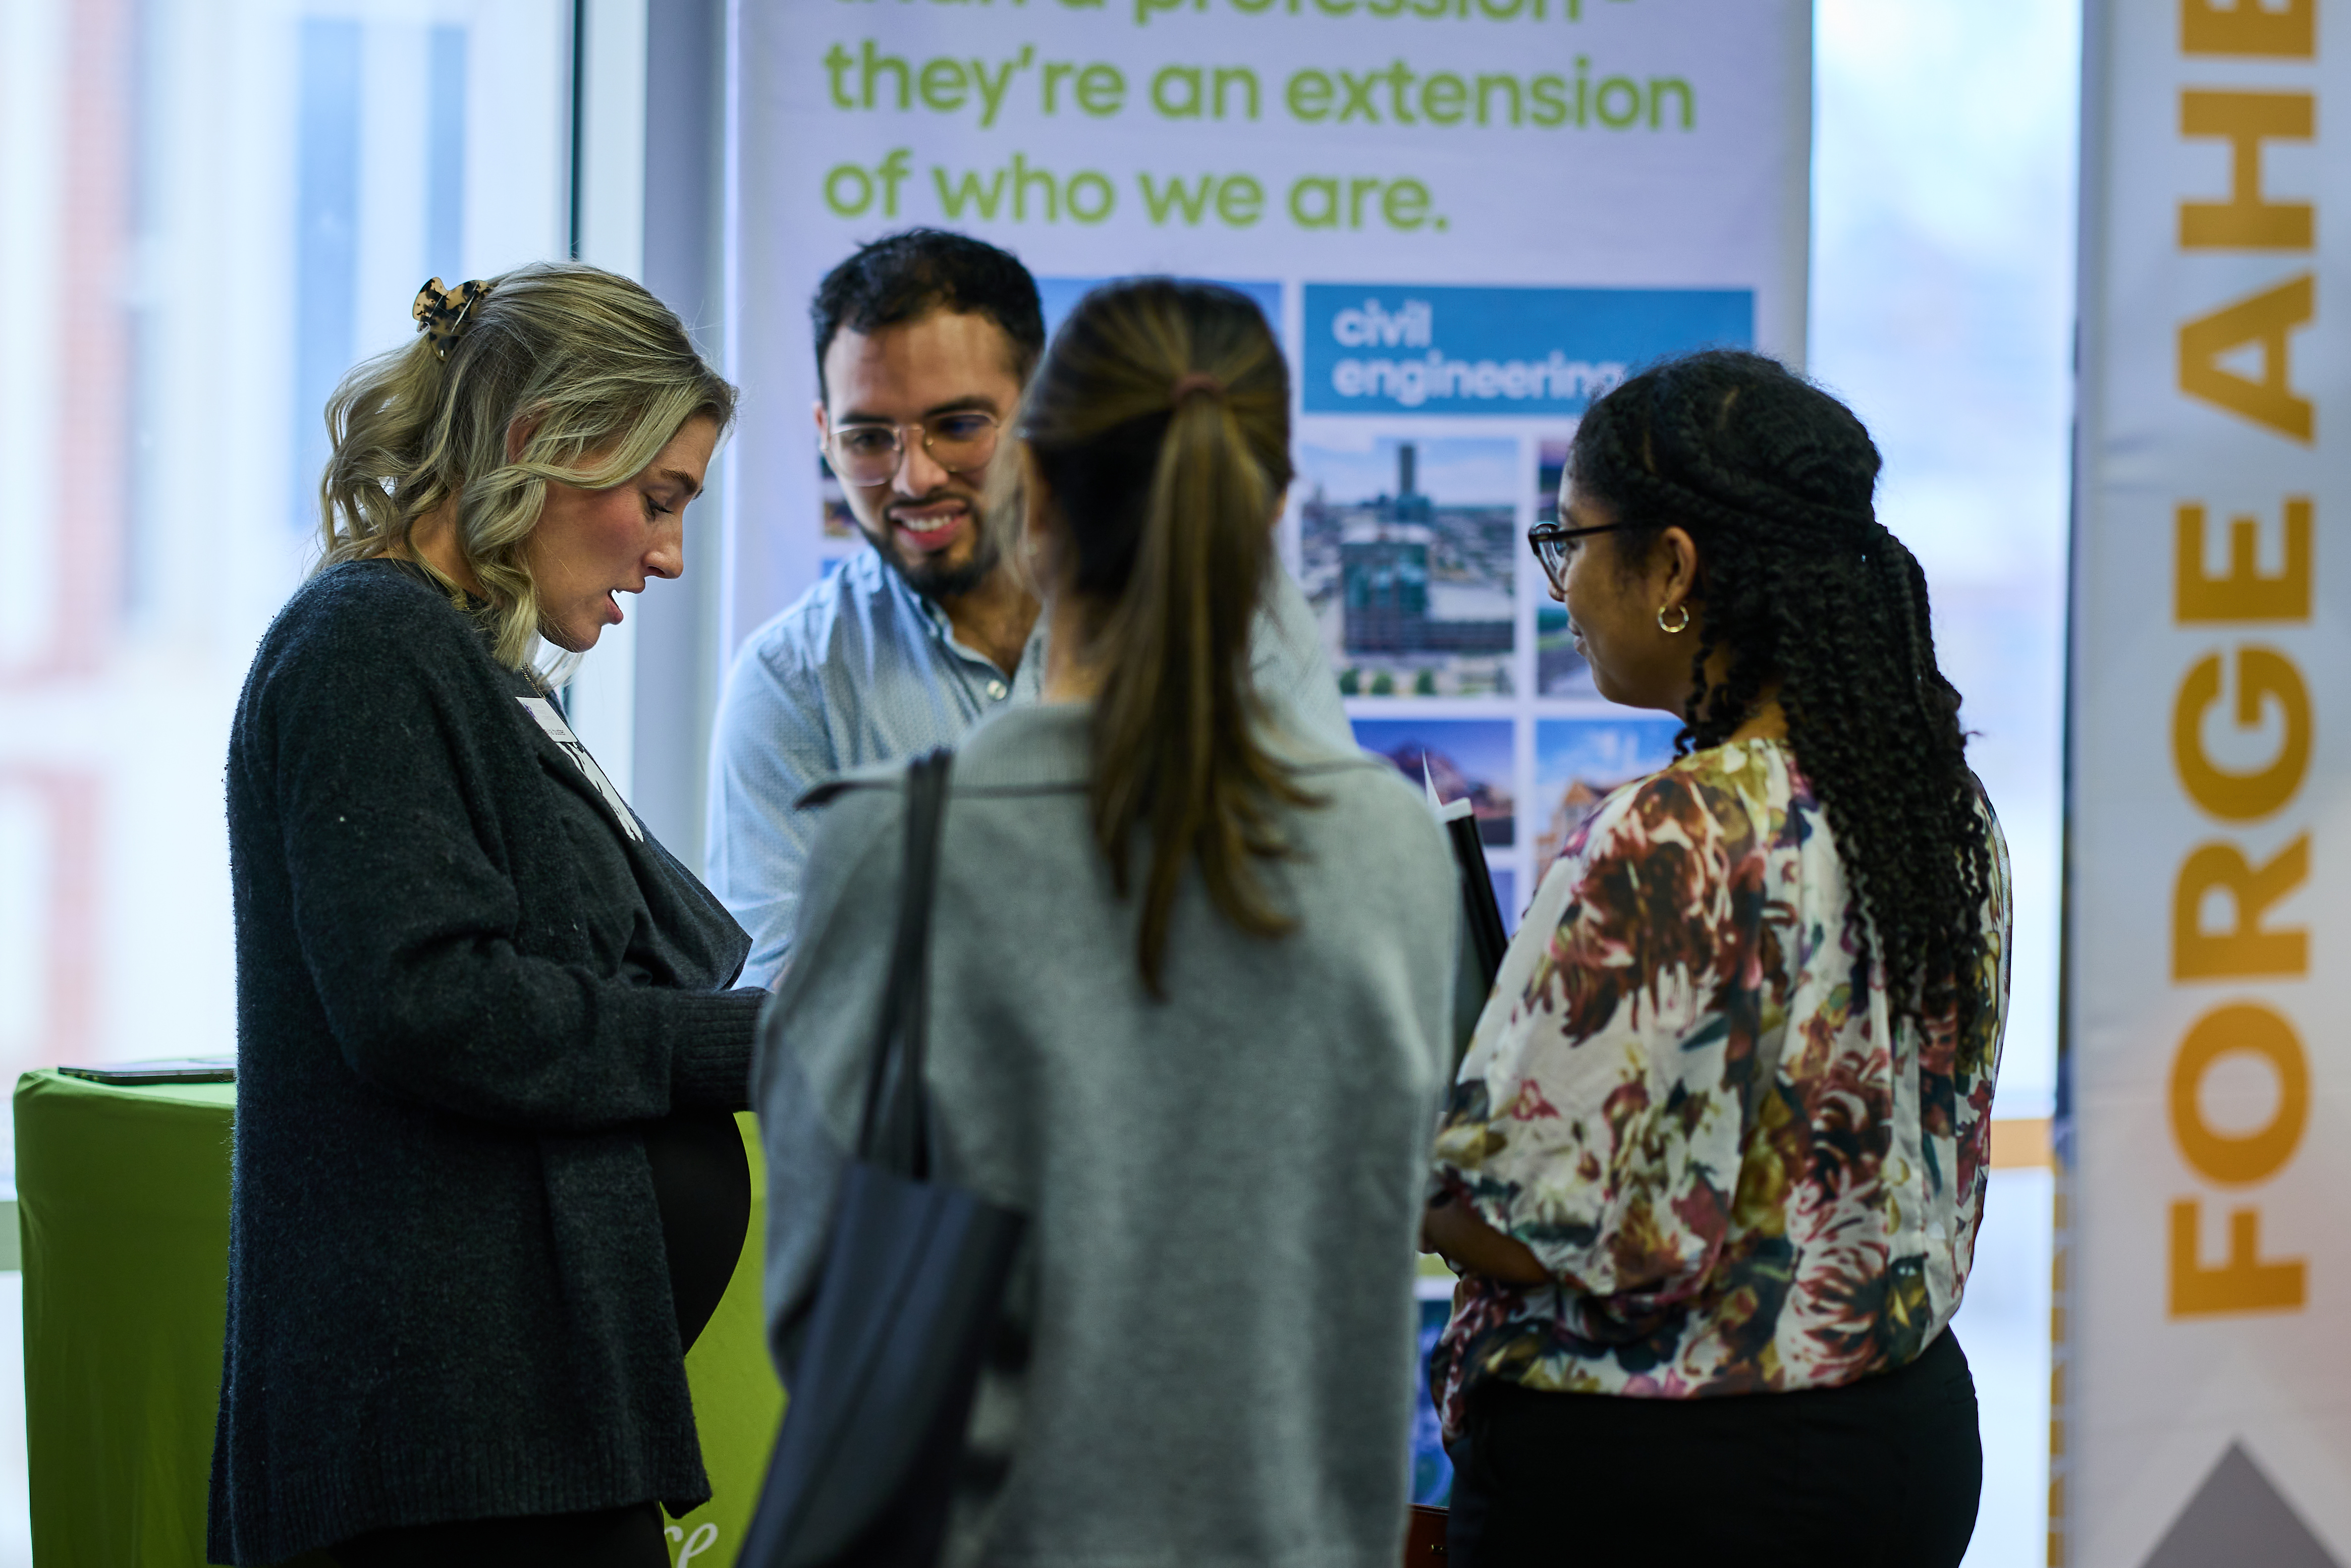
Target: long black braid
{"points": [[1773, 479]]}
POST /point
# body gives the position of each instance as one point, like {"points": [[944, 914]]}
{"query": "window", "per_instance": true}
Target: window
{"points": [[209, 210]]}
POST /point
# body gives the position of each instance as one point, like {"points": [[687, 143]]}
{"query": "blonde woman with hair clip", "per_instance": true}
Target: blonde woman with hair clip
{"points": [[487, 1186], [1190, 983]]}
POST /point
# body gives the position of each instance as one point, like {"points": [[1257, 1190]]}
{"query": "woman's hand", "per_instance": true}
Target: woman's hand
{"points": [[1451, 1229]]}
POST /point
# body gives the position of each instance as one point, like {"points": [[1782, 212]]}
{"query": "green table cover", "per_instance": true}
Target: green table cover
{"points": [[124, 1204]]}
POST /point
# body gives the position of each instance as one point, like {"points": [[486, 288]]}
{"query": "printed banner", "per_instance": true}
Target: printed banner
{"points": [[1466, 218], [2201, 1388]]}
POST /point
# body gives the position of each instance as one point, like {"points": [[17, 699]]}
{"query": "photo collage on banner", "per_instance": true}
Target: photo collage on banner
{"points": [[1465, 219], [1409, 539]]}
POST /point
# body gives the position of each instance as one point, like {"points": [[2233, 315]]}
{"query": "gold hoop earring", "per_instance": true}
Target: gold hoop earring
{"points": [[1681, 625]]}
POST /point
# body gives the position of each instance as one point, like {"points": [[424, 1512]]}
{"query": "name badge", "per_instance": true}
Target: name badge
{"points": [[551, 720]]}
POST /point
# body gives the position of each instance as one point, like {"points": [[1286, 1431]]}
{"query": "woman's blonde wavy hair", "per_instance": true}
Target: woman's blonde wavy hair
{"points": [[604, 372]]}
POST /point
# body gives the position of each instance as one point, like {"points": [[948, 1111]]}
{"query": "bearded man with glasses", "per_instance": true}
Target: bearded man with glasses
{"points": [[923, 342]]}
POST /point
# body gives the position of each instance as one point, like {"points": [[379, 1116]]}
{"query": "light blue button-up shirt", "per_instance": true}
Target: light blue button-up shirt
{"points": [[862, 669]]}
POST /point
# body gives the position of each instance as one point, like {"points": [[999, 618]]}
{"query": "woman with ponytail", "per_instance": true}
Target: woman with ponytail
{"points": [[488, 1183], [1715, 1159], [1190, 984]]}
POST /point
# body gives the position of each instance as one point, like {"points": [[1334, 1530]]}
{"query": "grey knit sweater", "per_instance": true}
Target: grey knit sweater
{"points": [[464, 983], [1224, 1186]]}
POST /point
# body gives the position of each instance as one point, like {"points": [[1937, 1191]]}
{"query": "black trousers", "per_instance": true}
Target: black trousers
{"points": [[1882, 1473], [610, 1538], [701, 1186]]}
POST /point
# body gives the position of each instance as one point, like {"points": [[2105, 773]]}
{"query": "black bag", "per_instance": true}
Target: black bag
{"points": [[864, 1470]]}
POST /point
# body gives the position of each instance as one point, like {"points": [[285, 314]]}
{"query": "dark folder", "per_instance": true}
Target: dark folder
{"points": [[1483, 940]]}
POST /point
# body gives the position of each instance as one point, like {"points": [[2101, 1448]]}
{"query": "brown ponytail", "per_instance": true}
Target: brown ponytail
{"points": [[1160, 424]]}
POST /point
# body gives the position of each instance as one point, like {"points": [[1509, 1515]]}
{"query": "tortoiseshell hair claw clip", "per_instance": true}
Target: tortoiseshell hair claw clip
{"points": [[443, 315]]}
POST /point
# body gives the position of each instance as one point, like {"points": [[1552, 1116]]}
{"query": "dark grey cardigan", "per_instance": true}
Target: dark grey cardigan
{"points": [[461, 988]]}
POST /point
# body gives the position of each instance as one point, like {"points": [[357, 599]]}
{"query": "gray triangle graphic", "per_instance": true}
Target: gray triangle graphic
{"points": [[2237, 1518]]}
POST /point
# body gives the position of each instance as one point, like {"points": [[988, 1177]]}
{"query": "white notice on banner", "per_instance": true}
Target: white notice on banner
{"points": [[2202, 1383]]}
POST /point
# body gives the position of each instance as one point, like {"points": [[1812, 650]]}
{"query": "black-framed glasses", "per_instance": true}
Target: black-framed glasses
{"points": [[870, 453], [1549, 542]]}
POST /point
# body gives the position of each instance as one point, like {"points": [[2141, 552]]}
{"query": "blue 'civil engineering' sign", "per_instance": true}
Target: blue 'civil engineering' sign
{"points": [[1382, 347]]}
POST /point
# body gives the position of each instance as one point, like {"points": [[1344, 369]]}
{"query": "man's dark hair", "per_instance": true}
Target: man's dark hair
{"points": [[906, 275]]}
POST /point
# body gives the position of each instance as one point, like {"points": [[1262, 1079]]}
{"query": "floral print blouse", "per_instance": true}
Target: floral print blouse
{"points": [[1685, 1098]]}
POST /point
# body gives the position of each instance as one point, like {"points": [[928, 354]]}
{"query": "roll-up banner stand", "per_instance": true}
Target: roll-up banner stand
{"points": [[1466, 218], [2201, 1387]]}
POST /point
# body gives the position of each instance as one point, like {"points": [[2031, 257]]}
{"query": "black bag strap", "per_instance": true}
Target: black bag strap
{"points": [[896, 1130]]}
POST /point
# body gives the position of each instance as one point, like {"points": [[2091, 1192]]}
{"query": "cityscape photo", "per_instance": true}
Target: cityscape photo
{"points": [[1579, 760], [1559, 670], [1407, 552], [1468, 758]]}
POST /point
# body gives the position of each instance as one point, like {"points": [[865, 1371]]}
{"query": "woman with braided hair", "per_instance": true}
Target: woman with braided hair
{"points": [[1715, 1160]]}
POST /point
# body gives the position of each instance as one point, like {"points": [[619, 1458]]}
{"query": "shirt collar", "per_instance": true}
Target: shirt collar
{"points": [[1033, 653]]}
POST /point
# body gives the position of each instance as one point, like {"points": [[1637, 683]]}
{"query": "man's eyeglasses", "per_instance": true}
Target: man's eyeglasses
{"points": [[1549, 542], [870, 453]]}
